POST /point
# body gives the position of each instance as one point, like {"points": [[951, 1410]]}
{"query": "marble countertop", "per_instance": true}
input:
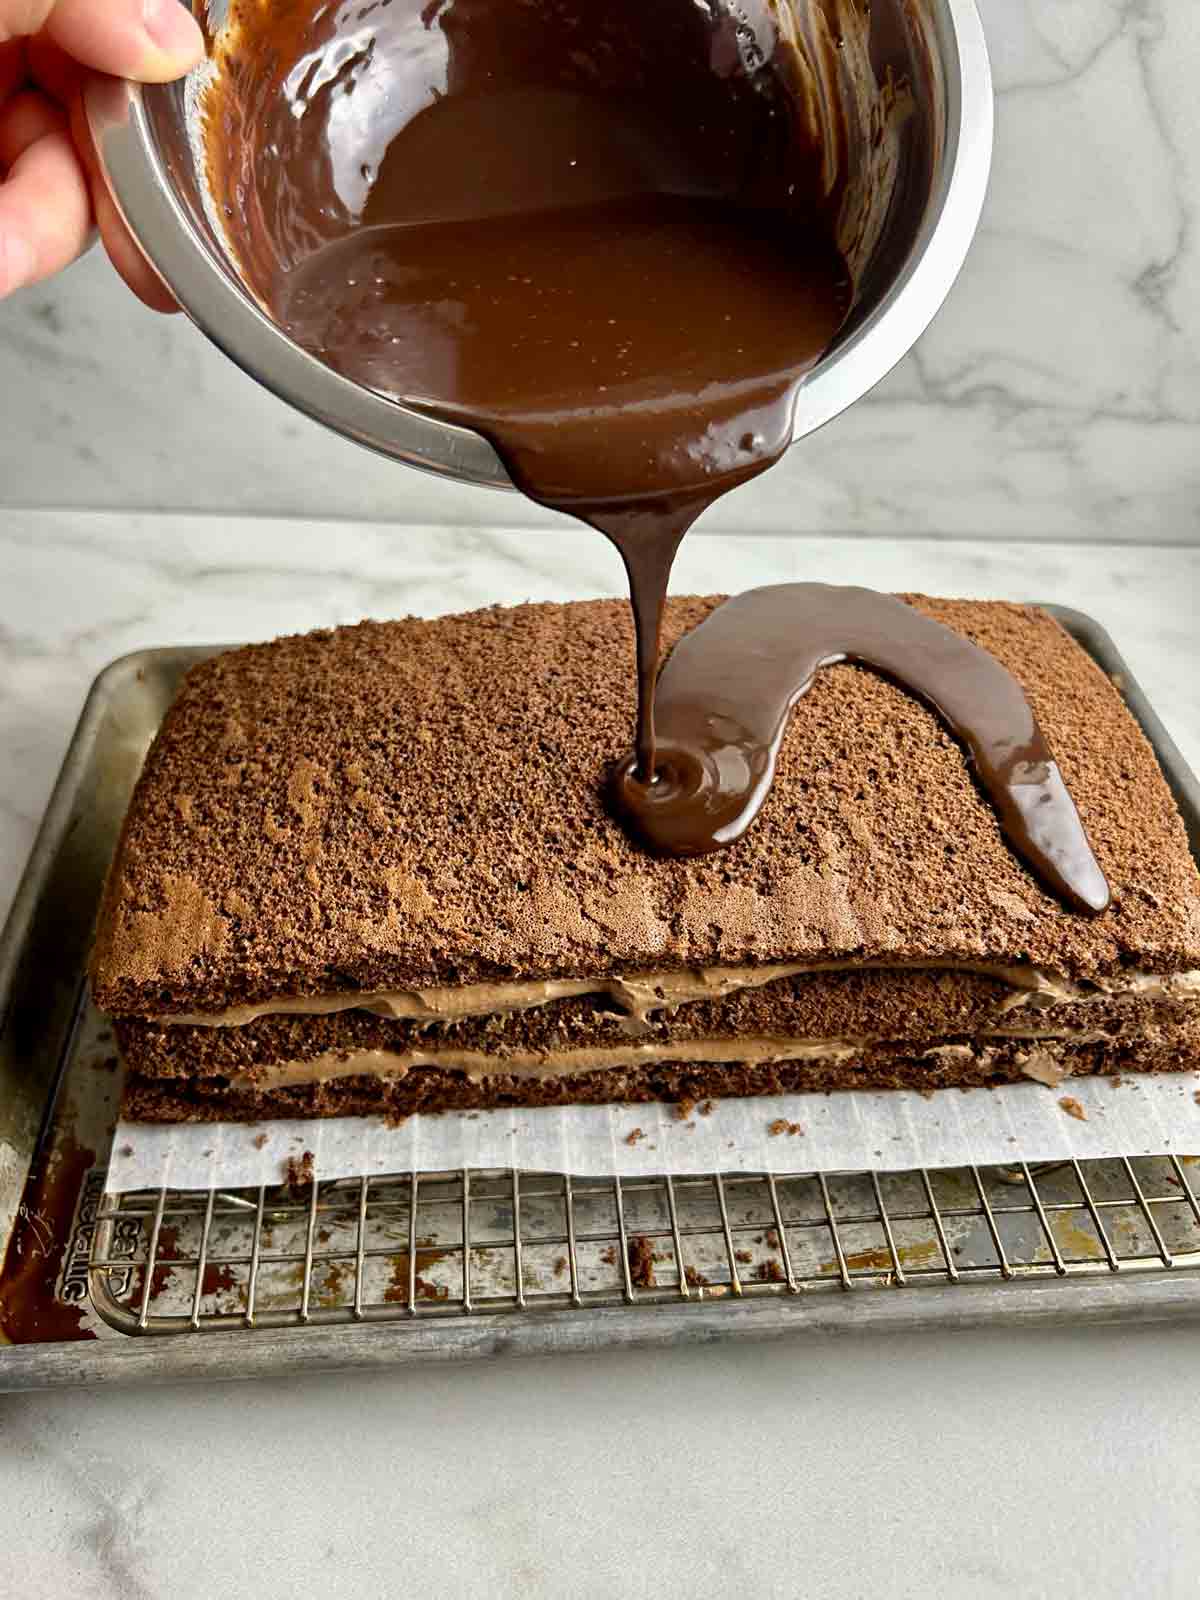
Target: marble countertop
{"points": [[1056, 396], [979, 1464]]}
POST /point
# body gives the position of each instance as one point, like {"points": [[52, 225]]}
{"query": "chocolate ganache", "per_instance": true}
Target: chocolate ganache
{"points": [[612, 239]]}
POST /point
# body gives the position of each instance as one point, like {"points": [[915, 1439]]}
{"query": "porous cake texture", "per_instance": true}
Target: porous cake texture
{"points": [[374, 868]]}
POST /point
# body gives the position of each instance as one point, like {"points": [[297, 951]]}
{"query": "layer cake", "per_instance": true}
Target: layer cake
{"points": [[374, 869]]}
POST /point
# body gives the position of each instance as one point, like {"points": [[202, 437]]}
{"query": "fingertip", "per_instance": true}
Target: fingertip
{"points": [[45, 207], [153, 41], [177, 41]]}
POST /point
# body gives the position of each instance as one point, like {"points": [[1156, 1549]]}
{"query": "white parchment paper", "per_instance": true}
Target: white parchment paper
{"points": [[892, 1131]]}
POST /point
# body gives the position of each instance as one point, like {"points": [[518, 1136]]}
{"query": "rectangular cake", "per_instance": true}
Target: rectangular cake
{"points": [[374, 870]]}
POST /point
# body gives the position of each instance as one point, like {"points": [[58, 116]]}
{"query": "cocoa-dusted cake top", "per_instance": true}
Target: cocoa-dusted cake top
{"points": [[417, 803]]}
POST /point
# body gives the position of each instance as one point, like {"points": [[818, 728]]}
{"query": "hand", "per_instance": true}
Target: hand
{"points": [[52, 196]]}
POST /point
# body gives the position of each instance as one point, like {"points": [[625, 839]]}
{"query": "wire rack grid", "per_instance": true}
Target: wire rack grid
{"points": [[429, 1245]]}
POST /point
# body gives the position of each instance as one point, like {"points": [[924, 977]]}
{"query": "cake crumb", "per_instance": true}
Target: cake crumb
{"points": [[1041, 1066], [1072, 1107], [560, 1266], [126, 1150], [633, 1136], [299, 1171], [744, 1256], [684, 1109], [782, 1125], [706, 1110], [641, 1262], [609, 1256], [770, 1272], [695, 1280], [259, 1140]]}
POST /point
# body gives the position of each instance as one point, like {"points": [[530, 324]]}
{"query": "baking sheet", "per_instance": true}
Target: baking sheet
{"points": [[56, 1074], [890, 1131]]}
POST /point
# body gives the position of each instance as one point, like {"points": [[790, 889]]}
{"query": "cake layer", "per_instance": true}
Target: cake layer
{"points": [[420, 804], [641, 994], [847, 1007], [951, 1063]]}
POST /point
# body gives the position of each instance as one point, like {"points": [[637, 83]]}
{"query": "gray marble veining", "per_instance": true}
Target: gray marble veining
{"points": [[1056, 396]]}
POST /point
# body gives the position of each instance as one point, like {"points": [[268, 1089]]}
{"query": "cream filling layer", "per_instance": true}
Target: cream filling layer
{"points": [[641, 994], [478, 1065]]}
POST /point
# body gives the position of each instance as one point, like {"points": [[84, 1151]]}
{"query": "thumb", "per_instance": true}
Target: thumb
{"points": [[153, 41]]}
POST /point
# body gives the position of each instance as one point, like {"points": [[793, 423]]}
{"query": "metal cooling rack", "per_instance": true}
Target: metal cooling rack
{"points": [[436, 1245]]}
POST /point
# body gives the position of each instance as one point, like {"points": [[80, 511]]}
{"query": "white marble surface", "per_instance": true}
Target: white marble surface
{"points": [[980, 1465], [1057, 395]]}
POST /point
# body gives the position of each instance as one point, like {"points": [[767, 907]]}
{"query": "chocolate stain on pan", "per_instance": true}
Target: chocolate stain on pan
{"points": [[880, 1260], [166, 1255], [217, 1280], [30, 1310], [396, 1292], [1075, 1239], [331, 1292]]}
